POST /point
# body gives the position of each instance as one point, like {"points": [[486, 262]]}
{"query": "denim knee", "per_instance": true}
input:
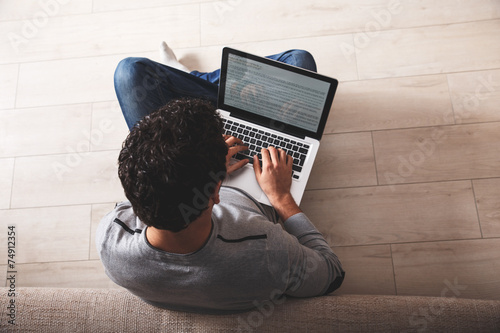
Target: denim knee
{"points": [[127, 70], [304, 59], [298, 58]]}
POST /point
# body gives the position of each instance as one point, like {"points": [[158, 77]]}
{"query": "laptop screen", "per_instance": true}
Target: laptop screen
{"points": [[274, 94]]}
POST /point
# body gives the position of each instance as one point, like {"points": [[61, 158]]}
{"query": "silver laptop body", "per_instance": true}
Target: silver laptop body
{"points": [[269, 103]]}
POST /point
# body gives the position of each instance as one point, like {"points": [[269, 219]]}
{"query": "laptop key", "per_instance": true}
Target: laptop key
{"points": [[240, 157]]}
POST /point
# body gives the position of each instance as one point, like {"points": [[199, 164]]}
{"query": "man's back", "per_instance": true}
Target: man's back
{"points": [[247, 259]]}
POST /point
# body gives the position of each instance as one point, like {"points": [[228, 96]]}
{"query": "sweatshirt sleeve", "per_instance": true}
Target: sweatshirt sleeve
{"points": [[314, 269]]}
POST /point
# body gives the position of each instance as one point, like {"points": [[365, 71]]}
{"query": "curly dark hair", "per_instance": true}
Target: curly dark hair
{"points": [[171, 163]]}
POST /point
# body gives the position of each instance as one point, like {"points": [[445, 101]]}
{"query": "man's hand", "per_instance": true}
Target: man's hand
{"points": [[235, 146], [275, 179]]}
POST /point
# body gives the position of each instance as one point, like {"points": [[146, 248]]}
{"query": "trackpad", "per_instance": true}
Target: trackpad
{"points": [[244, 179]]}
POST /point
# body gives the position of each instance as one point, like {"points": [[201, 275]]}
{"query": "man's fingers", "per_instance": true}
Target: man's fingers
{"points": [[265, 156], [256, 167], [236, 149], [274, 154], [287, 158], [231, 140], [282, 155]]}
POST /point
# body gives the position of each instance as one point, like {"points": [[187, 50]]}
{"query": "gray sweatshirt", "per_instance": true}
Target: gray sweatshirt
{"points": [[247, 260]]}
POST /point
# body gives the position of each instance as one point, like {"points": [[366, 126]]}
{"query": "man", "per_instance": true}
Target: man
{"points": [[185, 242]]}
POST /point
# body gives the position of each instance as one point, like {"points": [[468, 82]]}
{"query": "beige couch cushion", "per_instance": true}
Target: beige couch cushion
{"points": [[112, 310]]}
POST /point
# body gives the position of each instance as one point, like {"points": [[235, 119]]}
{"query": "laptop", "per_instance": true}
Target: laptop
{"points": [[268, 103]]}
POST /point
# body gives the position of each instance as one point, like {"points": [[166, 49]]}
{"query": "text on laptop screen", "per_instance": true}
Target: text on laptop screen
{"points": [[275, 93]]}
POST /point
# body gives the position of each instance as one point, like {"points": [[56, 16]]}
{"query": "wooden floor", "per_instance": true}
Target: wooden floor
{"points": [[406, 186]]}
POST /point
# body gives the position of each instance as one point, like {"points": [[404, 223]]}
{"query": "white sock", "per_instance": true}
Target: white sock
{"points": [[168, 58]]}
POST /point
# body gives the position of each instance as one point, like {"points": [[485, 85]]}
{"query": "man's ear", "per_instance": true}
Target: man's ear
{"points": [[215, 196]]}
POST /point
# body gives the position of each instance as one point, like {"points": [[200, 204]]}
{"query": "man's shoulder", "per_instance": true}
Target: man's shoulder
{"points": [[121, 219], [123, 211]]}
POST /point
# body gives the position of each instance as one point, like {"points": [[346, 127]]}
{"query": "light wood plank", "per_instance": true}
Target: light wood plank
{"points": [[98, 212], [344, 160], [39, 13], [465, 269], [475, 96], [488, 204], [54, 130], [360, 262], [391, 103], [116, 5], [47, 234], [218, 20], [278, 20], [7, 172], [103, 34], [72, 274], [438, 153], [403, 213], [48, 83], [109, 129], [428, 12], [8, 85], [68, 179], [431, 50]]}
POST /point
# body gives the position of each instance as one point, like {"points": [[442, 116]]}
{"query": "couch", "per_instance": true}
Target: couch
{"points": [[116, 310]]}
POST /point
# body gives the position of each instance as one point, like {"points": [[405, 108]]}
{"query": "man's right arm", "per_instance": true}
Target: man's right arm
{"points": [[275, 179], [313, 267]]}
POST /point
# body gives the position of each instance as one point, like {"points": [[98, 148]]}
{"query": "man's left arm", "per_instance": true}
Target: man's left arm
{"points": [[314, 269]]}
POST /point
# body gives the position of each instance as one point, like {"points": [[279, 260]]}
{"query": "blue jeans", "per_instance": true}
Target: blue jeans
{"points": [[143, 86]]}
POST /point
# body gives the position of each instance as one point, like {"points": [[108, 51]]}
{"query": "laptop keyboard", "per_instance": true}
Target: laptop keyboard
{"points": [[256, 139]]}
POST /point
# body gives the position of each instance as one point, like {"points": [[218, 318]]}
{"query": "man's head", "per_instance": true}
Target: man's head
{"points": [[171, 163]]}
